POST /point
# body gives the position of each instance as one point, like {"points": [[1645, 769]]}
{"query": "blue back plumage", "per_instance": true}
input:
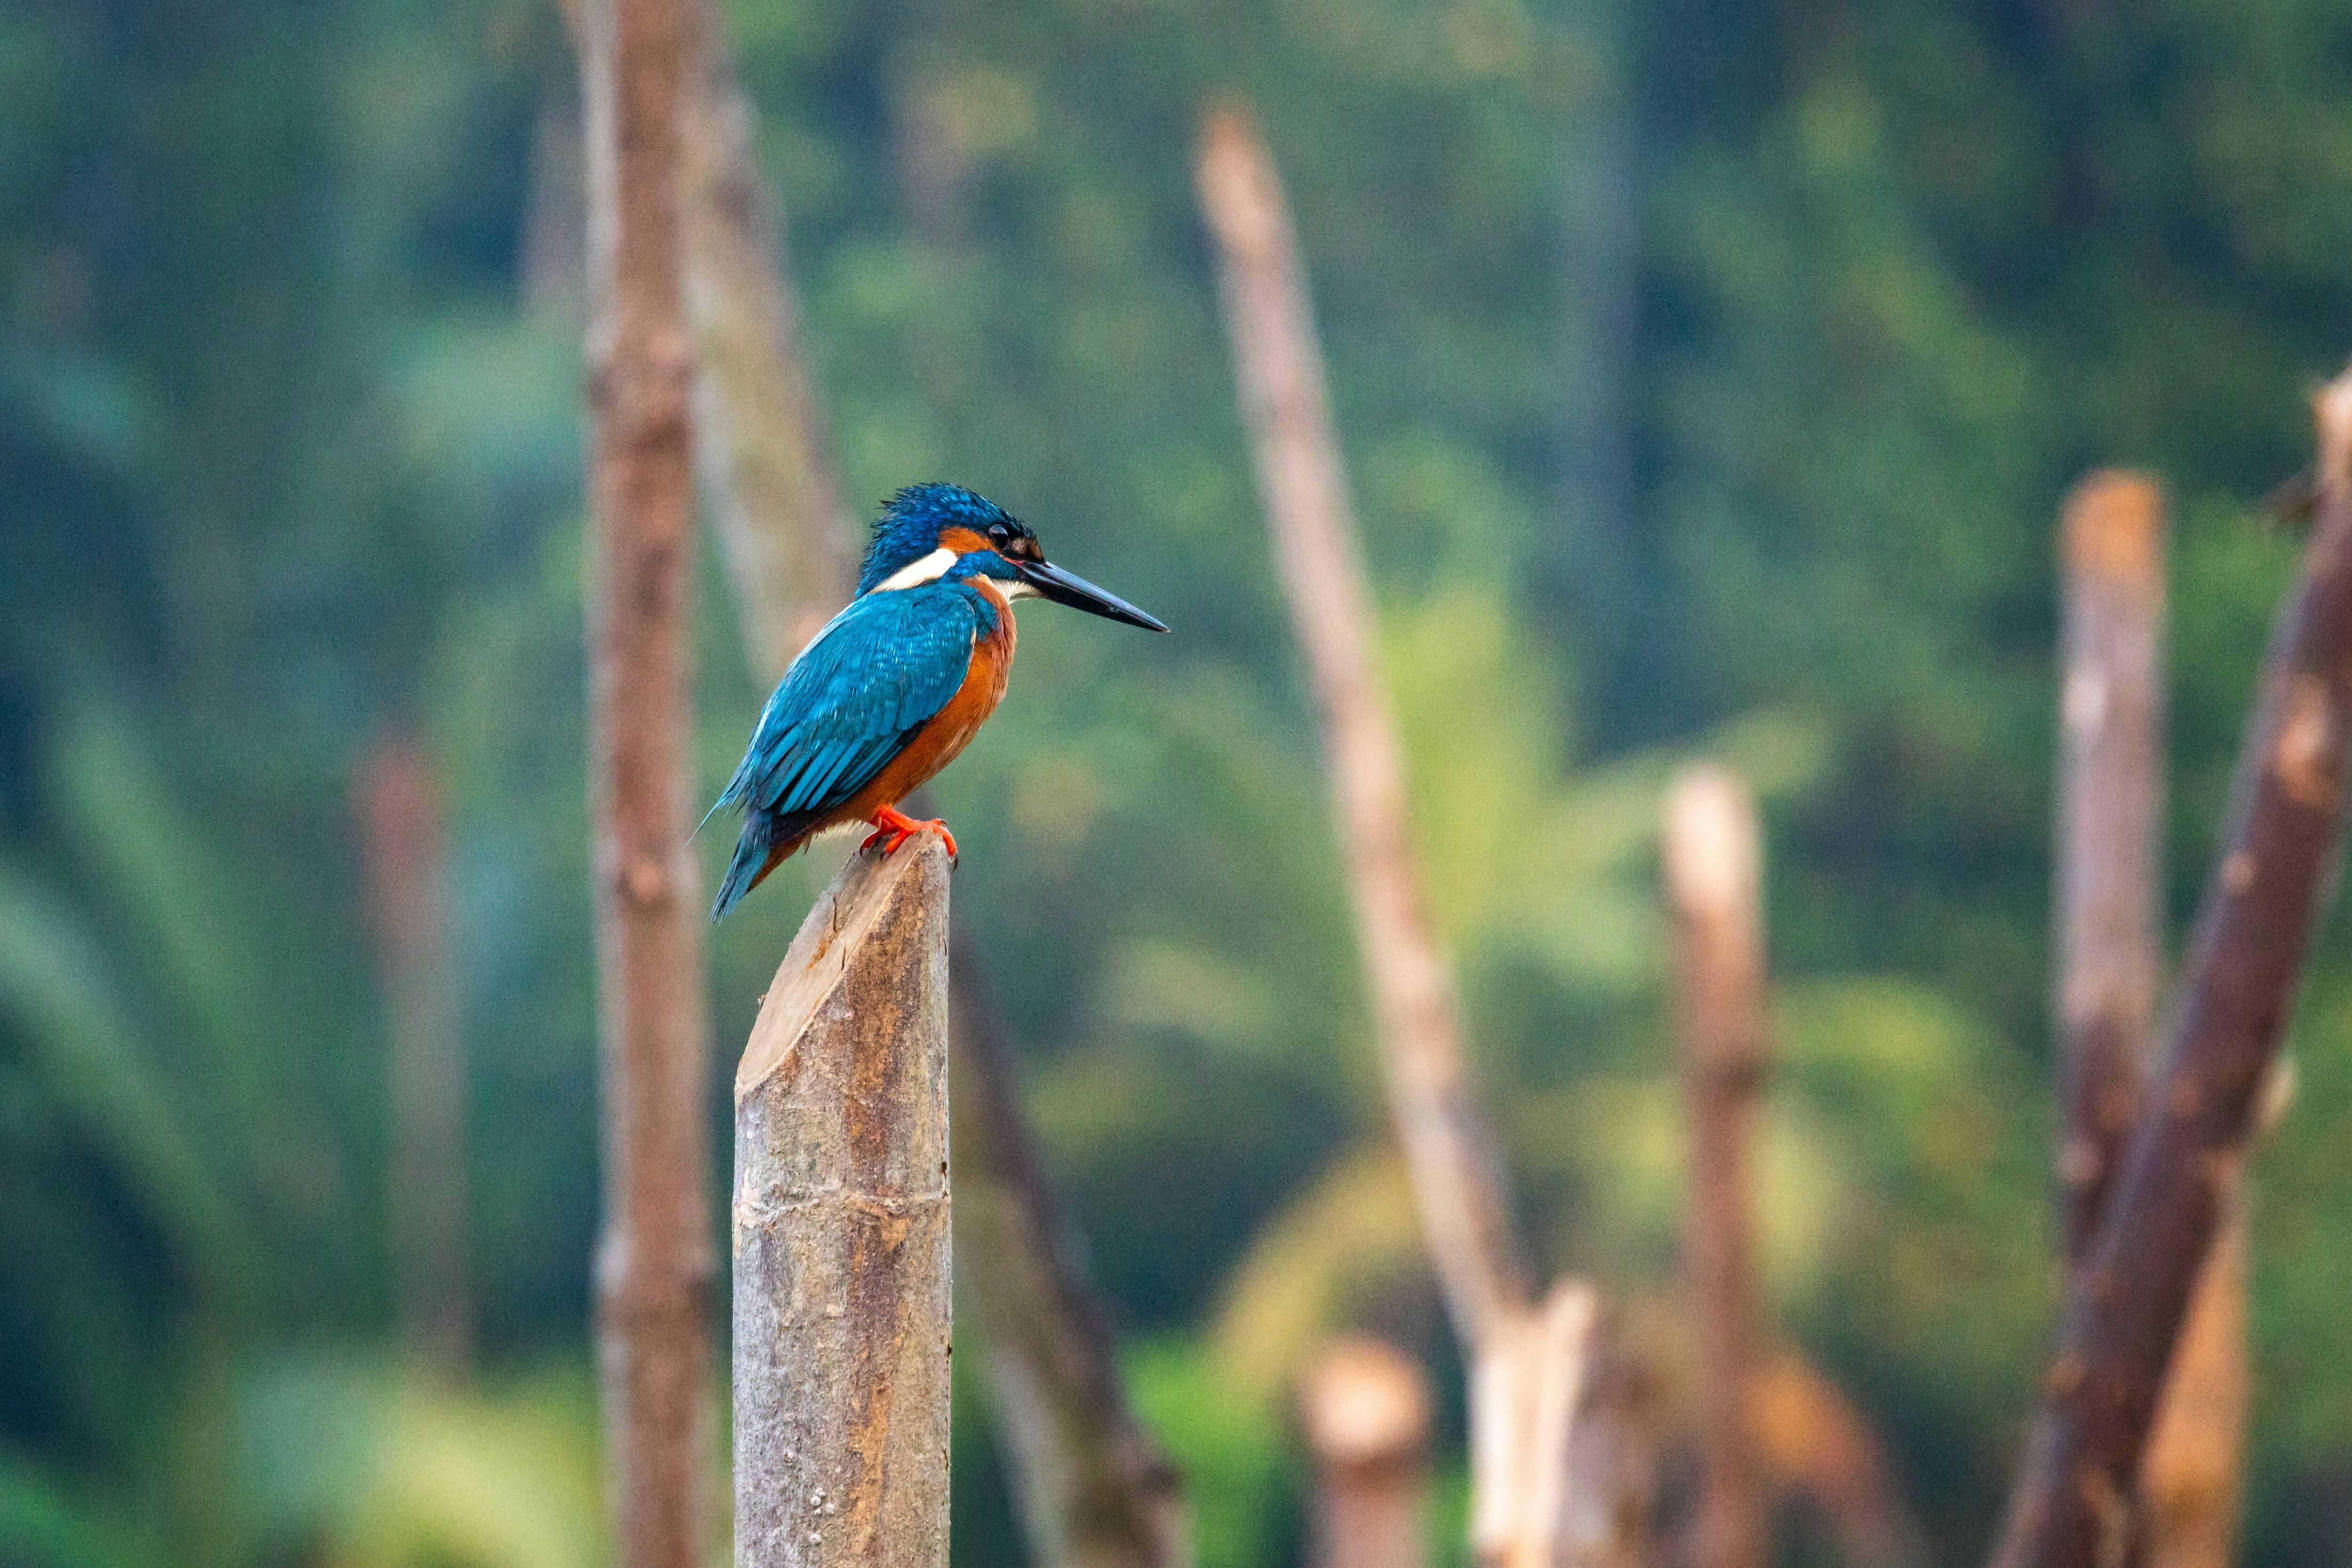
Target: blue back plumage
{"points": [[908, 528], [850, 702]]}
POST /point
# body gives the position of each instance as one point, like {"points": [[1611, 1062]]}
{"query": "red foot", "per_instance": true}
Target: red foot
{"points": [[891, 824]]}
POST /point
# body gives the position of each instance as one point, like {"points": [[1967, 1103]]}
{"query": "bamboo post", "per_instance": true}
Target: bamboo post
{"points": [[1526, 1359], [2110, 814], [1095, 1489], [1364, 1409], [2073, 1501], [405, 857], [841, 1232], [1713, 863], [2110, 806], [655, 1261]]}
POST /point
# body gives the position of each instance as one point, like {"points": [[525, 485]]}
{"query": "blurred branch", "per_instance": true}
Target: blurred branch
{"points": [[1095, 1489], [655, 1262], [2073, 1501], [762, 449], [1713, 863], [404, 854], [1457, 1174], [842, 1316], [1364, 1408], [1529, 1362]]}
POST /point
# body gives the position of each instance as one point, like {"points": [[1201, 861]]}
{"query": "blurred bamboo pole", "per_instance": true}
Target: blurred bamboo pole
{"points": [[1712, 861], [654, 1261], [2110, 811], [841, 1221], [1528, 1362], [1364, 1409], [762, 450], [2109, 951], [404, 854], [1096, 1491], [2073, 1501]]}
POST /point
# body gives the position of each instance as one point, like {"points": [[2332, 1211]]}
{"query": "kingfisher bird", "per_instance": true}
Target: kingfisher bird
{"points": [[896, 683]]}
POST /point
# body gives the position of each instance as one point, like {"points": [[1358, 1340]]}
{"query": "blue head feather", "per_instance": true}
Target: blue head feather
{"points": [[909, 528]]}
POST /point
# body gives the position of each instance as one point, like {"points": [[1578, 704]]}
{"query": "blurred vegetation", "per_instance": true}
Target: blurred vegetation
{"points": [[1709, 373]]}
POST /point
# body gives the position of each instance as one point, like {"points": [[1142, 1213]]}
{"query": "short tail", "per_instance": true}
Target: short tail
{"points": [[752, 862]]}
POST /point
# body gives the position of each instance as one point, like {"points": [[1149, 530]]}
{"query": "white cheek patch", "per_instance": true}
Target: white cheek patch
{"points": [[930, 569]]}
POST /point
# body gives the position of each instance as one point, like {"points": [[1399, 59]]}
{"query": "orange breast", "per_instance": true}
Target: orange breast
{"points": [[952, 728]]}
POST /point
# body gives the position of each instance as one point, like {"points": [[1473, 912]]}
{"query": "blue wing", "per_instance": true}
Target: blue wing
{"points": [[850, 702]]}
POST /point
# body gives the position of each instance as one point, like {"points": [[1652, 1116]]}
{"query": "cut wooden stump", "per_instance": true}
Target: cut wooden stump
{"points": [[1364, 1408], [841, 1232], [1713, 857]]}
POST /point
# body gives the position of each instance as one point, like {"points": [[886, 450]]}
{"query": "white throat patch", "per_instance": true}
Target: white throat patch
{"points": [[930, 569]]}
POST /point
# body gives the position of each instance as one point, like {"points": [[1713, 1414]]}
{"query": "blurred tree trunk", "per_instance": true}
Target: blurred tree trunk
{"points": [[1364, 1409], [655, 1263], [762, 449], [2109, 950], [1529, 1363], [1713, 864], [1096, 1491], [2075, 1494], [841, 1220], [404, 854]]}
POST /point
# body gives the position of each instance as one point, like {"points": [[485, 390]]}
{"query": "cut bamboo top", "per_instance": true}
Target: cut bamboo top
{"points": [[844, 914]]}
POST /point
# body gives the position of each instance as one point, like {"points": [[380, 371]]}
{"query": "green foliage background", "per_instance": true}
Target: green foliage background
{"points": [[1709, 375]]}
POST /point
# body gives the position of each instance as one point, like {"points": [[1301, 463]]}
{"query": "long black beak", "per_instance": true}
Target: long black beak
{"points": [[1067, 588]]}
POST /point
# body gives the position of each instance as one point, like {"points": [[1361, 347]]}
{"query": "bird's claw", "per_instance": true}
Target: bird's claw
{"points": [[893, 828]]}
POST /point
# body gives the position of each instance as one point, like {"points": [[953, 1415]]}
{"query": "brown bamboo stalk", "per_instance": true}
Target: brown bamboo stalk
{"points": [[2073, 1504], [841, 1225], [655, 1262], [762, 449], [1095, 1489], [1526, 1359], [2110, 813], [2110, 808], [405, 857], [1364, 1408], [1457, 1177], [1714, 867]]}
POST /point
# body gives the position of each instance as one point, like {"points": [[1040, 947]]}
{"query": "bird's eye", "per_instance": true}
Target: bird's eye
{"points": [[999, 533]]}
